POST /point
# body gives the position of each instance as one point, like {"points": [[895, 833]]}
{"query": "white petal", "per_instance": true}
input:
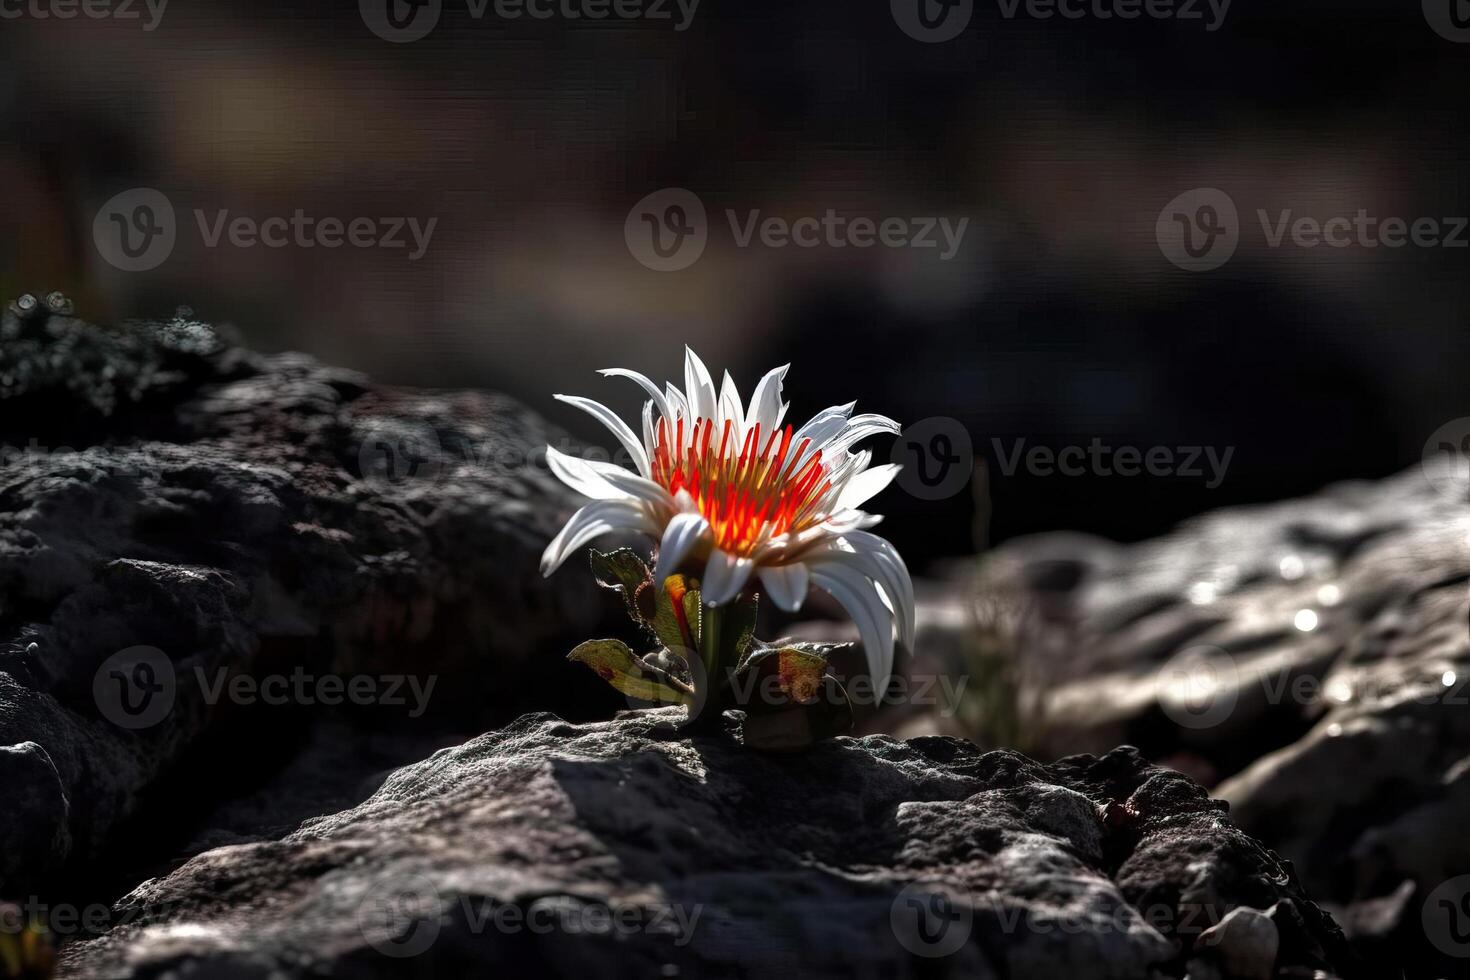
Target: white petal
{"points": [[847, 521], [866, 485], [615, 425], [578, 475], [765, 403], [680, 538], [730, 409], [684, 502], [841, 468], [861, 427], [878, 560], [677, 402], [860, 598], [659, 401], [606, 481], [634, 485], [596, 519], [823, 426], [724, 576], [699, 387], [786, 584], [648, 433]]}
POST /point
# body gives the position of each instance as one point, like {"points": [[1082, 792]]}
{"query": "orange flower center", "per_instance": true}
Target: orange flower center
{"points": [[743, 495]]}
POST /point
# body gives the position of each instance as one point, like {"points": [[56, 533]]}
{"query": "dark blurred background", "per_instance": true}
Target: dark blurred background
{"points": [[1060, 320]]}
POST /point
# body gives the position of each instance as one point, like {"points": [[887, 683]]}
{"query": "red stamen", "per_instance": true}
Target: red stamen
{"points": [[762, 491]]}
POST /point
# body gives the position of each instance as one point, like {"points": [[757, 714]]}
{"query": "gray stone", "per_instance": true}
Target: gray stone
{"points": [[243, 514], [1243, 946], [1309, 659], [617, 849]]}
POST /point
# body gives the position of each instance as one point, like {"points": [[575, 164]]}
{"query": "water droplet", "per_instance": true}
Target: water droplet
{"points": [[1340, 691], [1329, 595], [1202, 593], [1306, 620], [1292, 567], [1334, 730], [1448, 678]]}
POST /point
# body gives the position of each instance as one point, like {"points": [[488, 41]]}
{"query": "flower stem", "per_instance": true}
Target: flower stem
{"points": [[711, 681]]}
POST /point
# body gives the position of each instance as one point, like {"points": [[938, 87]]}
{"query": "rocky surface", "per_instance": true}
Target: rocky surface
{"points": [[1310, 660], [175, 512], [616, 849], [184, 524]]}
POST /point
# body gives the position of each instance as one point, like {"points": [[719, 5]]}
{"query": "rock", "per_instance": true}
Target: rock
{"points": [[176, 513], [616, 849], [1311, 656], [1242, 946]]}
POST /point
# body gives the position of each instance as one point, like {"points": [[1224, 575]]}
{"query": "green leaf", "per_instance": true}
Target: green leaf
{"points": [[672, 624], [694, 615], [738, 625], [796, 725], [624, 571], [615, 663], [773, 676]]}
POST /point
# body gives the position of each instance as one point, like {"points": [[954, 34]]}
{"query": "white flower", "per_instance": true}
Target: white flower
{"points": [[727, 483]]}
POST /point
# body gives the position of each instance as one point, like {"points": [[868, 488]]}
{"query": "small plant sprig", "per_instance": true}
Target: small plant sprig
{"points": [[709, 660], [730, 489]]}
